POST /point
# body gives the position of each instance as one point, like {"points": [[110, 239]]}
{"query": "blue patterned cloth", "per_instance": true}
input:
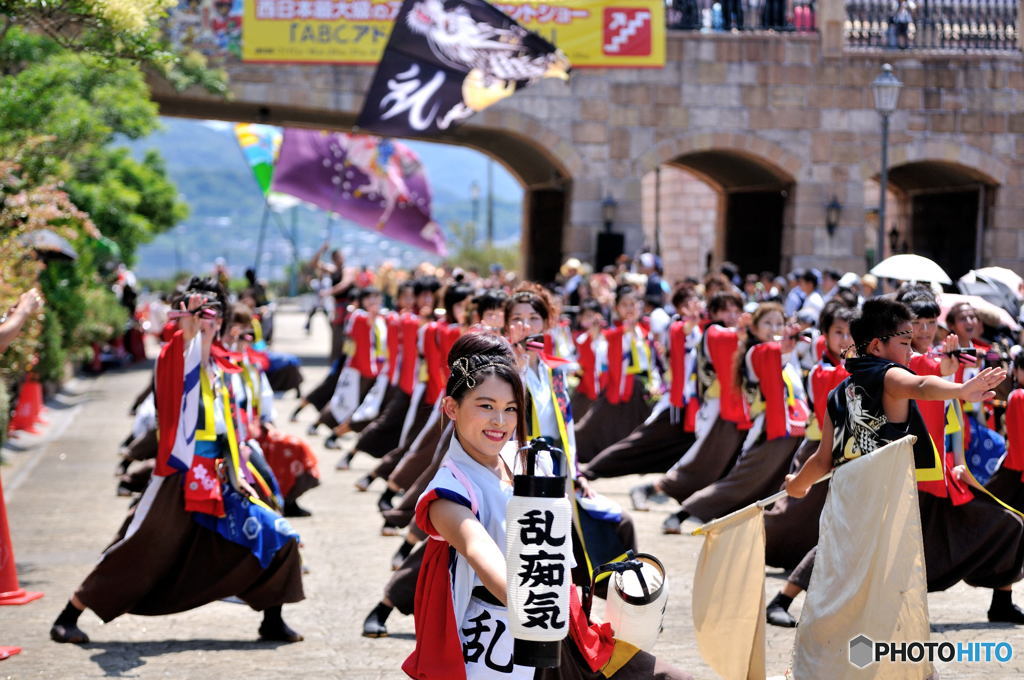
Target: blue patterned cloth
{"points": [[279, 360], [262, 531], [985, 451]]}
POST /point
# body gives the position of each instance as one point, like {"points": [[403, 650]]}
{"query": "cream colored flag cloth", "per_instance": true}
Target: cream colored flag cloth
{"points": [[869, 576], [728, 596]]}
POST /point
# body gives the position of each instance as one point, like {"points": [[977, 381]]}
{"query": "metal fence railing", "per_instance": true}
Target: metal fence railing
{"points": [[932, 24], [711, 16]]}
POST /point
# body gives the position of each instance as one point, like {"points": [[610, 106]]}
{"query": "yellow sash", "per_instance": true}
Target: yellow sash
{"points": [[954, 418], [570, 457], [209, 431], [634, 350], [254, 395], [236, 461], [380, 345]]}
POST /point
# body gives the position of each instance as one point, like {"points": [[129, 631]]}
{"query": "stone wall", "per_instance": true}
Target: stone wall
{"points": [[798, 105], [689, 220]]}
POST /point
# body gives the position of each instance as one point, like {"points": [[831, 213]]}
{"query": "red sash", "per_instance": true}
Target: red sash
{"points": [[677, 360], [933, 413], [202, 488], [722, 344], [410, 326], [436, 362], [587, 360], [824, 378], [1015, 432], [394, 323], [619, 388], [361, 333], [446, 339], [170, 388], [766, 360]]}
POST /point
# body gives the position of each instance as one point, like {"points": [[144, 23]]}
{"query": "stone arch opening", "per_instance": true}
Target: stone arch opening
{"points": [[743, 225], [541, 161], [941, 210]]}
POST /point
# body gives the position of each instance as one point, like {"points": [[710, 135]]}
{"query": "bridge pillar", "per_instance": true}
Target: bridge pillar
{"points": [[831, 17]]}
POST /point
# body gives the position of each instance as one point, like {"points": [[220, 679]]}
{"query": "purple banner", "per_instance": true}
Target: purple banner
{"points": [[377, 183]]}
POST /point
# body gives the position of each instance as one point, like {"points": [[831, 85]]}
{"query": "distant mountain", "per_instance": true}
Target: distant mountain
{"points": [[204, 161]]}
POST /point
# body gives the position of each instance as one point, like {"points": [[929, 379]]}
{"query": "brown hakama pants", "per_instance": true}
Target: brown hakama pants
{"points": [[1007, 486], [980, 543], [758, 472], [707, 460], [406, 510], [391, 459], [382, 435], [791, 525], [580, 405], [420, 453], [401, 588], [606, 423], [170, 564], [653, 447], [320, 395]]}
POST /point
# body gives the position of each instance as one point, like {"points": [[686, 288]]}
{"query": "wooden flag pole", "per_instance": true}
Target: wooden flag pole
{"points": [[263, 233], [763, 503]]}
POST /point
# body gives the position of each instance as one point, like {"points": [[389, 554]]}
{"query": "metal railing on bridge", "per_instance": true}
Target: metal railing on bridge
{"points": [[711, 16], [932, 24]]}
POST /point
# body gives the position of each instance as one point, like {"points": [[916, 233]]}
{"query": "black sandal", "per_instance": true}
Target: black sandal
{"points": [[71, 633], [279, 633]]}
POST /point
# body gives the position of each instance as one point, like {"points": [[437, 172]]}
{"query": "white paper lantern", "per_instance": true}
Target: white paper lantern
{"points": [[538, 550], [637, 599]]}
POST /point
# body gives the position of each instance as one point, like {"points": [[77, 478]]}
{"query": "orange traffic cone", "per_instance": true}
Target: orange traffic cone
{"points": [[10, 591], [30, 402], [9, 651], [34, 395]]}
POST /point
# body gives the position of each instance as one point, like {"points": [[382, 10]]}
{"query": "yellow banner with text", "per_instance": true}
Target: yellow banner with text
{"points": [[592, 33]]}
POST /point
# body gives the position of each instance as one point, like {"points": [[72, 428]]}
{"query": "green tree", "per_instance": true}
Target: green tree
{"points": [[129, 201], [59, 117], [55, 113], [467, 253], [25, 207], [74, 79], [111, 30]]}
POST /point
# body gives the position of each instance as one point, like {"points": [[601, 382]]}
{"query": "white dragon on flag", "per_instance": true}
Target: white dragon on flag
{"points": [[494, 57]]}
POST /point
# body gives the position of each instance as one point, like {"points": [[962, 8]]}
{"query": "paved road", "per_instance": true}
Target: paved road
{"points": [[63, 511]]}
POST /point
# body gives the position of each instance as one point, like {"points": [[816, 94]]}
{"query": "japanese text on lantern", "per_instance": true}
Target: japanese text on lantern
{"points": [[541, 569]]}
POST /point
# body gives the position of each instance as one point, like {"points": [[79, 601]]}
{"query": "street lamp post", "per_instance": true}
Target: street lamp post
{"points": [[886, 89], [608, 207], [474, 197], [490, 202]]}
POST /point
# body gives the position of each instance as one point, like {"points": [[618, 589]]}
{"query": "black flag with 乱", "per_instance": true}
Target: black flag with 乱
{"points": [[447, 59]]}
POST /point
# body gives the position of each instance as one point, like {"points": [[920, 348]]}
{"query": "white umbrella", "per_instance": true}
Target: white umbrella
{"points": [[990, 314], [1010, 278], [910, 268]]}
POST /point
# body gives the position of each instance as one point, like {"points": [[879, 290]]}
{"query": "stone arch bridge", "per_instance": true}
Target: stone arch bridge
{"points": [[776, 123]]}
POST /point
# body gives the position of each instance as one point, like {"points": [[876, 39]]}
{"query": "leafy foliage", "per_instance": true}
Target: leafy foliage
{"points": [[57, 113], [26, 208], [52, 353], [103, 318], [130, 202], [112, 31], [468, 253], [74, 81]]}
